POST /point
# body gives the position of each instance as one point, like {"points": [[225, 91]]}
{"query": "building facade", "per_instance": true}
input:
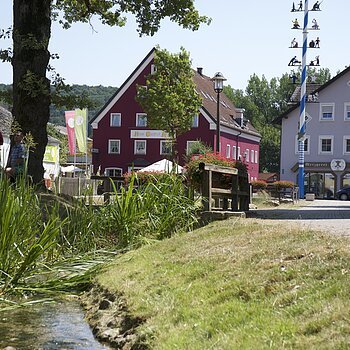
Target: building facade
{"points": [[327, 143], [122, 141]]}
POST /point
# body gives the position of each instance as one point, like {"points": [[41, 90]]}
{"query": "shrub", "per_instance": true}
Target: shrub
{"points": [[259, 185], [281, 185]]}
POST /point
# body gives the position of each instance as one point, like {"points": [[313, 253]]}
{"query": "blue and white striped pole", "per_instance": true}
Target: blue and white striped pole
{"points": [[301, 134]]}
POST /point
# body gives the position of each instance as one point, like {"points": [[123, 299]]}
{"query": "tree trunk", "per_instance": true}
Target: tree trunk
{"points": [[31, 88]]}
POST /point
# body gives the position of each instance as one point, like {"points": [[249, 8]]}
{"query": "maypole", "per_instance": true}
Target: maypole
{"points": [[301, 133], [303, 91]]}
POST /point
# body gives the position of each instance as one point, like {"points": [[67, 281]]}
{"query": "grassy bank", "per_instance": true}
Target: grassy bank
{"points": [[239, 284]]}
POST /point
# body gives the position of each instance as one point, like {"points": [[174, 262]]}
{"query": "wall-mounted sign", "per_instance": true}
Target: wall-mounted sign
{"points": [[338, 164], [149, 134]]}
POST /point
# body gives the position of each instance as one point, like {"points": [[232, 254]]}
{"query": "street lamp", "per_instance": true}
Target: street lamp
{"points": [[218, 81]]}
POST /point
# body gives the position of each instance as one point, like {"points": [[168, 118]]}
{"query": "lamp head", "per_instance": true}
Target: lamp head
{"points": [[218, 81]]}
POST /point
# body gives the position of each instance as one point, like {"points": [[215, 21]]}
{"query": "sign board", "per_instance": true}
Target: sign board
{"points": [[338, 164], [149, 134]]}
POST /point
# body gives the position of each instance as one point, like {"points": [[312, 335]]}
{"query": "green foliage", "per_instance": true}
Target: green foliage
{"points": [[281, 185], [145, 177], [269, 148], [259, 185], [94, 97], [238, 284], [169, 97], [153, 210], [113, 13]]}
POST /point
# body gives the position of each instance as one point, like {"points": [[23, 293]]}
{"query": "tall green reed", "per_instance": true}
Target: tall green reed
{"points": [[24, 237], [154, 210]]}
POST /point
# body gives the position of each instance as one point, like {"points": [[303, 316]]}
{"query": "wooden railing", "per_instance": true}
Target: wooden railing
{"points": [[224, 188]]}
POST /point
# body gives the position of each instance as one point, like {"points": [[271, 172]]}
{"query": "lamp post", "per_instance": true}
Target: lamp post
{"points": [[218, 81]]}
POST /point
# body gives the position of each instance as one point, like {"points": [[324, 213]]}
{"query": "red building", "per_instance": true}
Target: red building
{"points": [[122, 141]]}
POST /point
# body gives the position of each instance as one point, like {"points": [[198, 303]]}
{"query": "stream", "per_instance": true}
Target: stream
{"points": [[49, 326]]}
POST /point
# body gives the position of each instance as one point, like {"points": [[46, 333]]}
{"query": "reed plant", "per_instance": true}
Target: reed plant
{"points": [[152, 211], [24, 237]]}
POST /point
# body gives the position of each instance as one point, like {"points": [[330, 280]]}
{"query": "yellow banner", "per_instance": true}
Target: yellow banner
{"points": [[80, 127], [51, 154]]}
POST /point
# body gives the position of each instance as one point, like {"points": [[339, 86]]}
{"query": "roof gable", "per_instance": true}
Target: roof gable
{"points": [[119, 93]]}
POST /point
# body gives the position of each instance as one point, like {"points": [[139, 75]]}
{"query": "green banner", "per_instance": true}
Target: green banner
{"points": [[51, 154], [80, 126]]}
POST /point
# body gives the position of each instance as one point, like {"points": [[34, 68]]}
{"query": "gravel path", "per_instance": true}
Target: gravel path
{"points": [[332, 216]]}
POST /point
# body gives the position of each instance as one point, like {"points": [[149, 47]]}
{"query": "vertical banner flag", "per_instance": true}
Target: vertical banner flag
{"points": [[70, 131], [80, 129]]}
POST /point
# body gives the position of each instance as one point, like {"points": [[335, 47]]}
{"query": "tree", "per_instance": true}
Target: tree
{"points": [[169, 97], [30, 59]]}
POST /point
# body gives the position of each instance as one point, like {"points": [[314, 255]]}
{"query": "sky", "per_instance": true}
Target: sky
{"points": [[244, 37]]}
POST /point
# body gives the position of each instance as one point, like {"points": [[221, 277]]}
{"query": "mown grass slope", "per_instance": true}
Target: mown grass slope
{"points": [[239, 284]]}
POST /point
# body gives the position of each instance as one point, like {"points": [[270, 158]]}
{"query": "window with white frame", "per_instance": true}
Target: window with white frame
{"points": [[116, 119], [325, 145], [327, 111], [140, 147], [114, 146], [346, 144], [252, 156], [347, 111], [228, 149], [239, 153], [256, 157], [165, 147], [113, 171], [246, 155], [141, 120], [195, 121], [189, 146], [234, 154], [306, 144]]}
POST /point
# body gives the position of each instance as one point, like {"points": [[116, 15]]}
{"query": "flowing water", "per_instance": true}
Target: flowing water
{"points": [[49, 326]]}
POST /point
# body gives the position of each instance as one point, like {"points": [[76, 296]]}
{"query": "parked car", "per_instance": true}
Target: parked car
{"points": [[343, 194]]}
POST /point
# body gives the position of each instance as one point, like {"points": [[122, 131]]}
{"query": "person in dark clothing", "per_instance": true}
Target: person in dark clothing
{"points": [[16, 159]]}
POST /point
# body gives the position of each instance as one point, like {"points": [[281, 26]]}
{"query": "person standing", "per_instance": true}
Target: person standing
{"points": [[16, 159]]}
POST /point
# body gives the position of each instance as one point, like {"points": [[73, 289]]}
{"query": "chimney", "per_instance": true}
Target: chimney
{"points": [[240, 117], [200, 71]]}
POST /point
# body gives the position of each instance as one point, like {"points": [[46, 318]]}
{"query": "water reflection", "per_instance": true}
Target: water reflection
{"points": [[52, 326]]}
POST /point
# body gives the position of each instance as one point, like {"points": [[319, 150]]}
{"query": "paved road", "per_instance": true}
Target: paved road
{"points": [[324, 215]]}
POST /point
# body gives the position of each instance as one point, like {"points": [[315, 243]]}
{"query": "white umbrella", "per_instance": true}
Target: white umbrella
{"points": [[162, 166], [70, 169]]}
